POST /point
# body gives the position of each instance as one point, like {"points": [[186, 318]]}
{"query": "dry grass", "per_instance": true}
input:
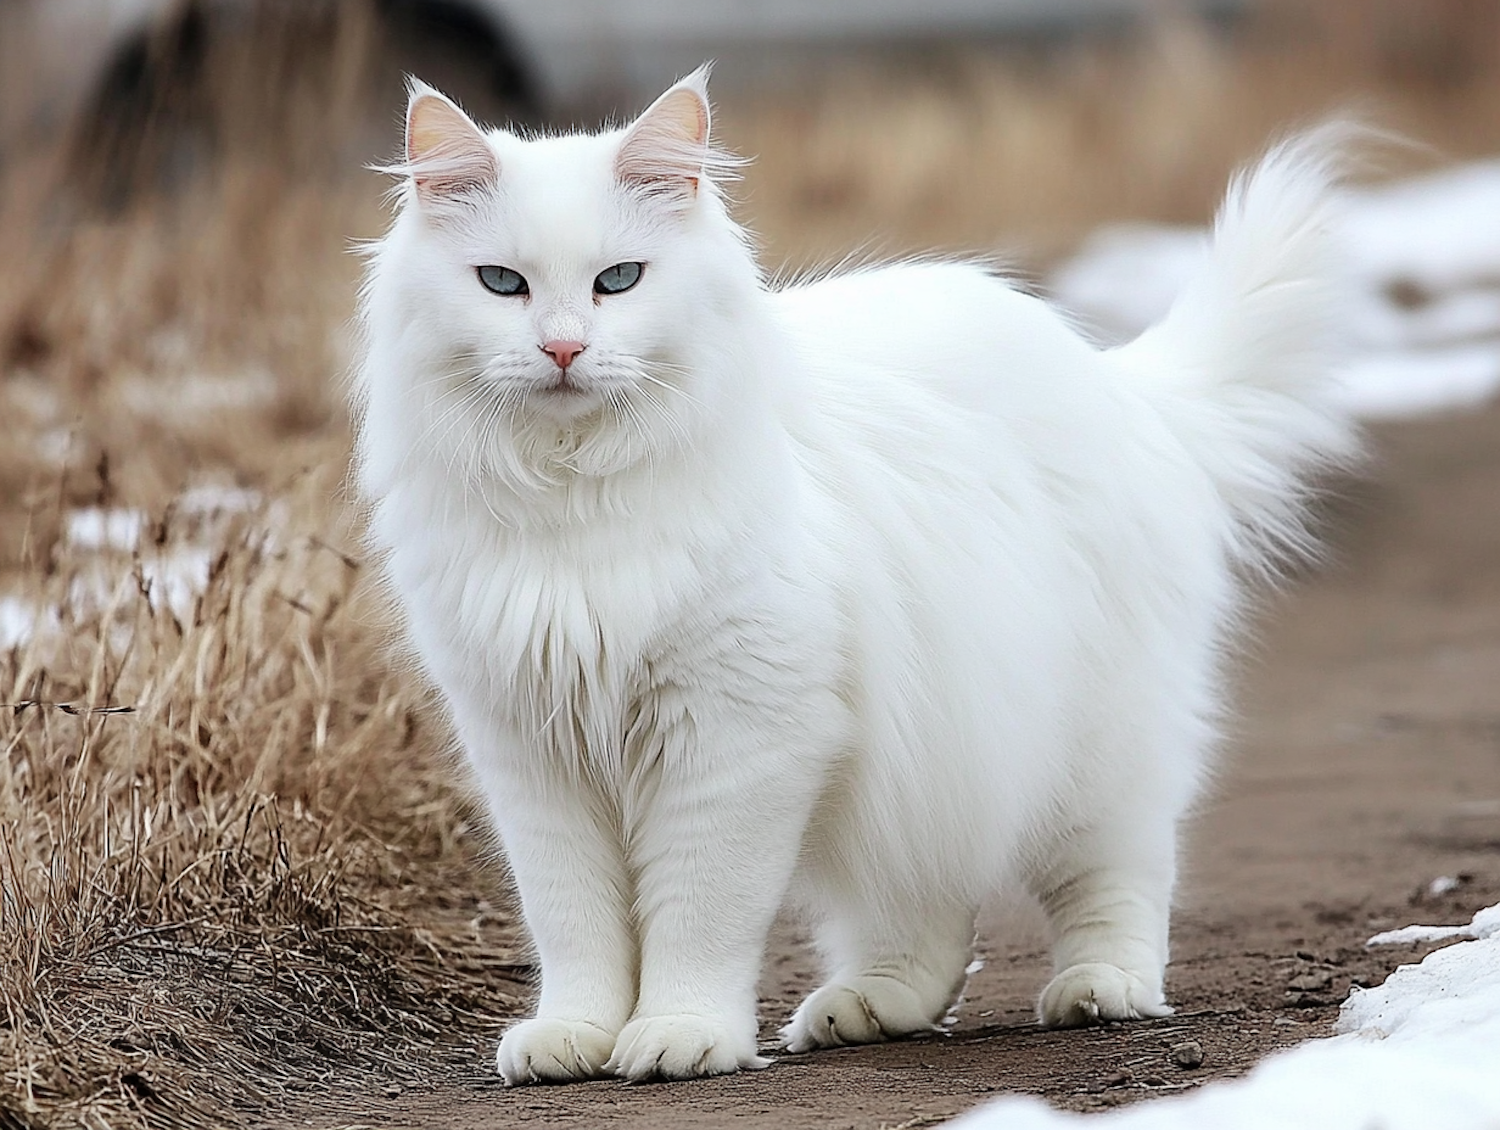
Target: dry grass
{"points": [[234, 859], [233, 862], [960, 150]]}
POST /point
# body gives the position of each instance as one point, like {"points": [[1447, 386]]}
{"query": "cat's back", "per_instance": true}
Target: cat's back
{"points": [[956, 330]]}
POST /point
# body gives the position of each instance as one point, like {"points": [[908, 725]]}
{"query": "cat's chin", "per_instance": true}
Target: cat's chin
{"points": [[565, 402]]}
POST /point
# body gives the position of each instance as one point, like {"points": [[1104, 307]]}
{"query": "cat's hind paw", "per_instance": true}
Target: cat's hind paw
{"points": [[861, 1010], [681, 1046], [1095, 991], [553, 1051]]}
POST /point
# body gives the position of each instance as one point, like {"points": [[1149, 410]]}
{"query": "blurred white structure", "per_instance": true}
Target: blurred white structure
{"points": [[580, 47]]}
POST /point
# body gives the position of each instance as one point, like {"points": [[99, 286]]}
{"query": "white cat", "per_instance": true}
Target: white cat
{"points": [[871, 595]]}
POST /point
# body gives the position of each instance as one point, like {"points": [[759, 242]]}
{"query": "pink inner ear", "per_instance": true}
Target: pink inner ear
{"points": [[682, 114], [667, 142], [444, 149]]}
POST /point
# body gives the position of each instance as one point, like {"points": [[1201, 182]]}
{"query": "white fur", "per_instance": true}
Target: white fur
{"points": [[873, 595]]}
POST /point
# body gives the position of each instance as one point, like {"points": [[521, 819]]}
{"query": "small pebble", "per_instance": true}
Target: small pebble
{"points": [[1188, 1054]]}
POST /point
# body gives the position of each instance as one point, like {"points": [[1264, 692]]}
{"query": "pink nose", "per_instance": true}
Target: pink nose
{"points": [[563, 352]]}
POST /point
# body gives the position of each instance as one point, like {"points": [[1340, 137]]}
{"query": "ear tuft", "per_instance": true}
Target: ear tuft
{"points": [[665, 150], [446, 154]]}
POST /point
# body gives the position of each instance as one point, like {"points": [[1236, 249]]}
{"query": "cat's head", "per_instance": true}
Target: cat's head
{"points": [[569, 282]]}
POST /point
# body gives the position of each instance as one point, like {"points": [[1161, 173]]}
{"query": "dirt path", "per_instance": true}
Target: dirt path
{"points": [[1367, 766]]}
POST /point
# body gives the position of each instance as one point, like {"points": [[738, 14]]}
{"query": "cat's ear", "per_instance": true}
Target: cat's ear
{"points": [[446, 154], [666, 148]]}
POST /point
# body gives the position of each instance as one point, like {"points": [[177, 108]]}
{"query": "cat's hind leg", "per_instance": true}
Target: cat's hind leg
{"points": [[1107, 893], [891, 977]]}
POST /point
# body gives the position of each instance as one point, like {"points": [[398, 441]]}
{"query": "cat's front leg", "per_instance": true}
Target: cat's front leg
{"points": [[713, 855], [570, 872]]}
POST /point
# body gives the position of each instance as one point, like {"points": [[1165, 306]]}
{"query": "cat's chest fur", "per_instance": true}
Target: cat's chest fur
{"points": [[562, 635]]}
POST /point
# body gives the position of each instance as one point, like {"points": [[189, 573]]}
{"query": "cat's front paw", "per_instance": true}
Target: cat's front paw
{"points": [[861, 1010], [1096, 991], [553, 1051], [681, 1046]]}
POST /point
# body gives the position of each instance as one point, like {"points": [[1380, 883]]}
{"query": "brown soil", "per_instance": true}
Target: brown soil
{"points": [[1368, 764]]}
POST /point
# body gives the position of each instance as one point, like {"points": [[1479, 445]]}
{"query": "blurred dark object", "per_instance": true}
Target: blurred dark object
{"points": [[314, 87]]}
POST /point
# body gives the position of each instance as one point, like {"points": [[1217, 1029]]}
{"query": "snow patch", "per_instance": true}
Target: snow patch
{"points": [[1435, 232], [17, 621], [98, 528], [1418, 1051], [1402, 383], [174, 580], [115, 560], [1485, 924]]}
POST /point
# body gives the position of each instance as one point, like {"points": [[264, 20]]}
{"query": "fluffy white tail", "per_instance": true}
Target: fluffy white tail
{"points": [[1245, 359]]}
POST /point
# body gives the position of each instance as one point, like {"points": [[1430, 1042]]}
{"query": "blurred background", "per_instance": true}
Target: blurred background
{"points": [[181, 180], [196, 165], [216, 773]]}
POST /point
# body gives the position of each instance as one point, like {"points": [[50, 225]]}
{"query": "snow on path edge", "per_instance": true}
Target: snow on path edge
{"points": [[1421, 1050]]}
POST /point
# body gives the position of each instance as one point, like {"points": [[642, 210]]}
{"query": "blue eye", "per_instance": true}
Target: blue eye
{"points": [[502, 280], [619, 278]]}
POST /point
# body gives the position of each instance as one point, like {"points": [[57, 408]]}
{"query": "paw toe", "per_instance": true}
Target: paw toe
{"points": [[863, 1010], [681, 1046], [553, 1051], [1094, 992]]}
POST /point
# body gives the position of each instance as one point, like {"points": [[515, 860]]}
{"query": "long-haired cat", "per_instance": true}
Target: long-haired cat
{"points": [[868, 596]]}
